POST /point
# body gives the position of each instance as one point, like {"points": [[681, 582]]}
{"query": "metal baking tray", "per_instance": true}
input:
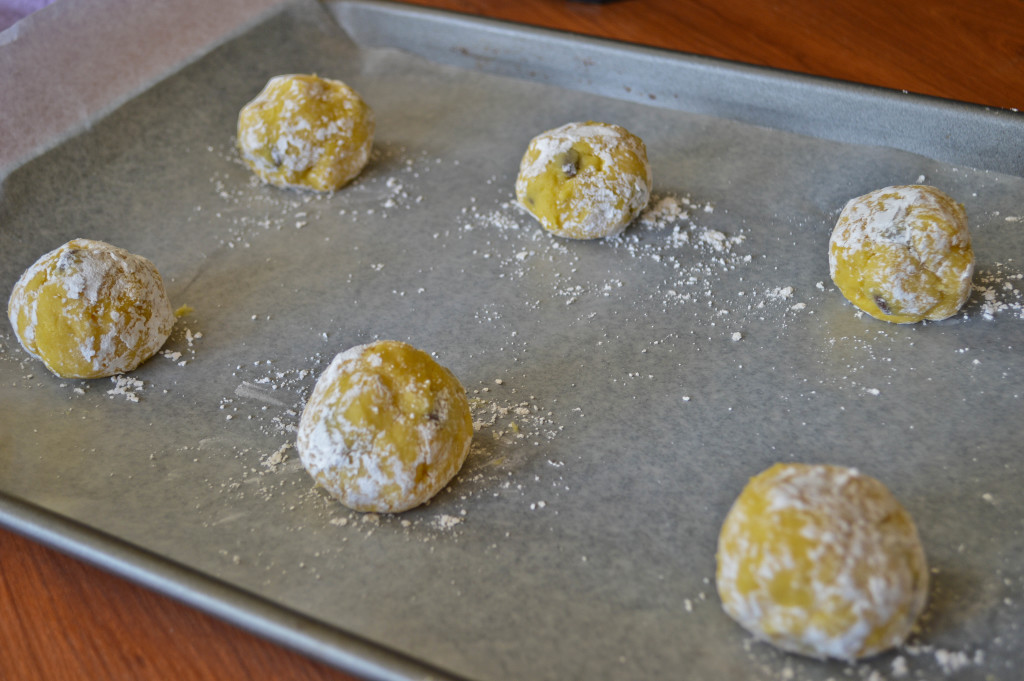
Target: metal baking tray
{"points": [[623, 390]]}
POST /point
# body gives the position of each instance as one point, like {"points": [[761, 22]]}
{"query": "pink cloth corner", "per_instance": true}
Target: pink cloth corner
{"points": [[12, 11]]}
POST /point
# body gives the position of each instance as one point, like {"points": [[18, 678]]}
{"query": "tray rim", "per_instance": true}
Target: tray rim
{"points": [[896, 113], [233, 604]]}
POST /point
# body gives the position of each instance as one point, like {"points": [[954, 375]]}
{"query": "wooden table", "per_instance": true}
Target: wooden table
{"points": [[62, 619]]}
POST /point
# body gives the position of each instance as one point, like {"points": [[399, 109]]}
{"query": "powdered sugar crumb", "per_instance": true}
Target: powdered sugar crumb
{"points": [[446, 522], [999, 288], [125, 386]]}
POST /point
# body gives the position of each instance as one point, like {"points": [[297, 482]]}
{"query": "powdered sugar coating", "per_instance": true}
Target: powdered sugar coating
{"points": [[303, 131], [598, 192], [89, 310], [823, 561], [903, 254], [386, 427]]}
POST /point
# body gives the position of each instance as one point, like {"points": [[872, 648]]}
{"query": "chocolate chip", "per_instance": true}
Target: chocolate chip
{"points": [[276, 156], [882, 305], [570, 163], [67, 258]]}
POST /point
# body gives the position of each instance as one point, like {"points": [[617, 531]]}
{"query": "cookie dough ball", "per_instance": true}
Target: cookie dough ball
{"points": [[386, 427], [823, 561], [306, 132], [903, 254], [585, 180], [89, 309]]}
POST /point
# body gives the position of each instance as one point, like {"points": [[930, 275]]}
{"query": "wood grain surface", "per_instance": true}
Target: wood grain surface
{"points": [[61, 619], [968, 51]]}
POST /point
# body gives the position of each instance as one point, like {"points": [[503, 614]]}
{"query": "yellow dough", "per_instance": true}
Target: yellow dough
{"points": [[386, 427], [585, 180], [306, 132], [903, 254], [823, 561], [89, 309]]}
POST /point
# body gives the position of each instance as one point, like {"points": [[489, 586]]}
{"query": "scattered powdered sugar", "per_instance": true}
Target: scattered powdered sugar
{"points": [[181, 345], [999, 288], [947, 661], [248, 209], [505, 421], [511, 421], [446, 522], [276, 458], [678, 257], [686, 259], [684, 247], [125, 386], [782, 293], [913, 660], [269, 396]]}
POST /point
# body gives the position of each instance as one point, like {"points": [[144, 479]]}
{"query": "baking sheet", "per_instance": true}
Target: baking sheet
{"points": [[623, 390]]}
